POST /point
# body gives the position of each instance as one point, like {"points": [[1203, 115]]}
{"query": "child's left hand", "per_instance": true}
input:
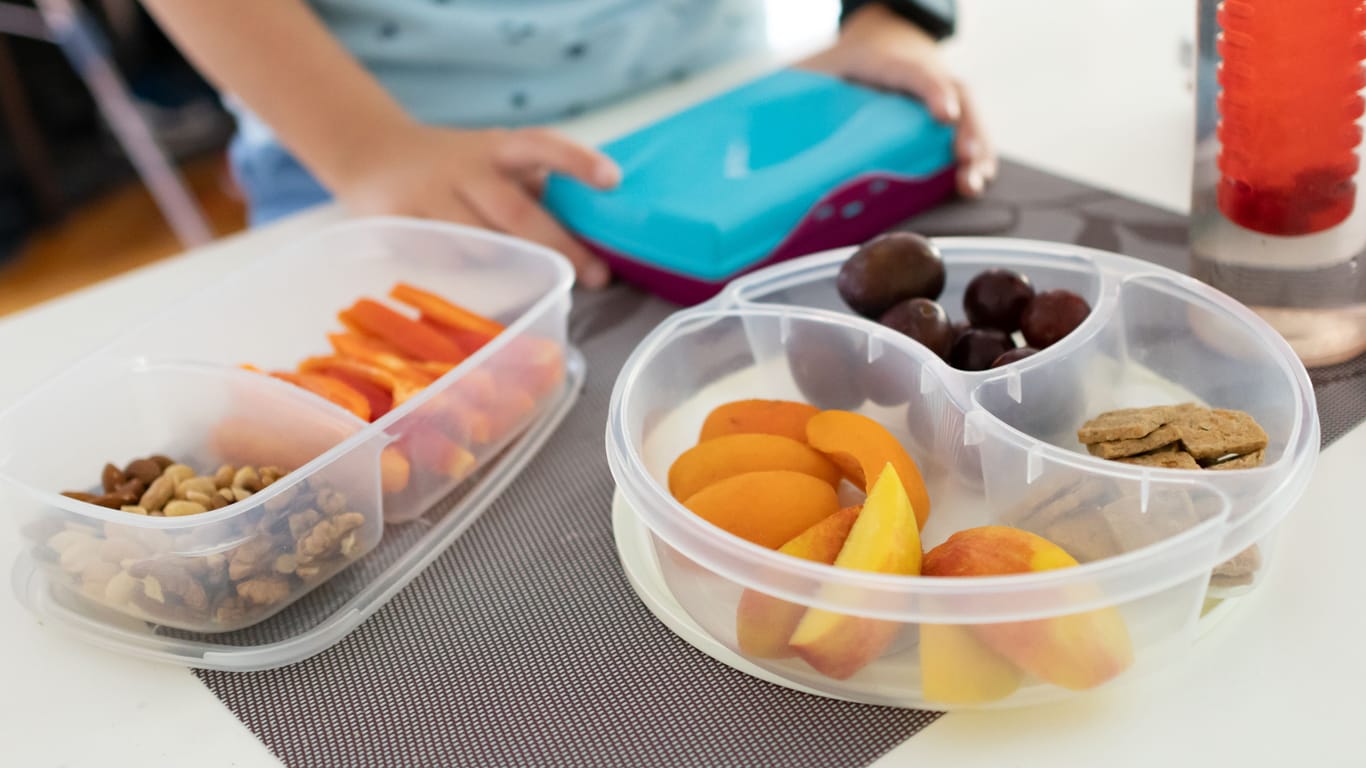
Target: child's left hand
{"points": [[881, 49]]}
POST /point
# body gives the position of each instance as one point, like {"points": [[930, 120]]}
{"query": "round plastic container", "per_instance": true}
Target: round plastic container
{"points": [[996, 447]]}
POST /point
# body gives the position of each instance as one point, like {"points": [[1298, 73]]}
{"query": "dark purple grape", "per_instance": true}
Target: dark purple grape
{"points": [[1013, 355], [823, 360], [890, 269], [925, 321], [1052, 315], [978, 348], [995, 298]]}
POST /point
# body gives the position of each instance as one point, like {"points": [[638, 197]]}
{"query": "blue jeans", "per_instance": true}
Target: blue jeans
{"points": [[275, 184]]}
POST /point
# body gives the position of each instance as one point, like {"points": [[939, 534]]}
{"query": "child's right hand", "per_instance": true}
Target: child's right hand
{"points": [[486, 178]]}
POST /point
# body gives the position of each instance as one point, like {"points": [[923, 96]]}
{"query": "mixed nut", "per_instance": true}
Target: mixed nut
{"points": [[274, 551], [159, 486]]}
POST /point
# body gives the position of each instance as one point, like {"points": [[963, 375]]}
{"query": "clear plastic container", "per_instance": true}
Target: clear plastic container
{"points": [[174, 386], [995, 447]]}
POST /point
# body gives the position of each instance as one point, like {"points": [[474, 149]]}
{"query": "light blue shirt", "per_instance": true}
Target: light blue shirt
{"points": [[513, 62]]}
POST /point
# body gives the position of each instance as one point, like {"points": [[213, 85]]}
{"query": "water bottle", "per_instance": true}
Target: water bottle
{"points": [[1275, 217]]}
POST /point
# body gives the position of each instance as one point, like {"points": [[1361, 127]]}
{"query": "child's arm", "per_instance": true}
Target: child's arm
{"points": [[879, 47], [279, 58]]}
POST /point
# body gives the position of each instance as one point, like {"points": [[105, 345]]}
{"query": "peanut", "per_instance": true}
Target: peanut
{"points": [[180, 508], [178, 473], [133, 509], [247, 479], [223, 477], [120, 588], [77, 557], [160, 492], [202, 499], [203, 485]]}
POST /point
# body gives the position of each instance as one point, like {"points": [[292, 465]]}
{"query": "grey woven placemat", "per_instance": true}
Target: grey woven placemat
{"points": [[524, 645]]}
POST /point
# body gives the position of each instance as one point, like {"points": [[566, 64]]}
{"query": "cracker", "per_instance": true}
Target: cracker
{"points": [[1060, 505], [1214, 433], [1168, 514], [1085, 537], [1129, 423], [1168, 458], [1164, 435], [1246, 461], [1237, 570]]}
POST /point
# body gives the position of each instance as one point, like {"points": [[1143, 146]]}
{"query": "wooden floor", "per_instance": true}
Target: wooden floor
{"points": [[121, 231]]}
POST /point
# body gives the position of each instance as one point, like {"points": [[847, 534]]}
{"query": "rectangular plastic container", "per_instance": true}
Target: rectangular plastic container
{"points": [[995, 447], [175, 386]]}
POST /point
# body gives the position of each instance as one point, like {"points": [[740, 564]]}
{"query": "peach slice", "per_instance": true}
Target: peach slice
{"points": [[764, 623], [884, 539], [769, 417], [724, 457], [767, 508], [1076, 651], [958, 668], [860, 447]]}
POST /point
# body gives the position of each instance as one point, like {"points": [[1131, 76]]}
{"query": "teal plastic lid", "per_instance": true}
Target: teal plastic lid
{"points": [[714, 189]]}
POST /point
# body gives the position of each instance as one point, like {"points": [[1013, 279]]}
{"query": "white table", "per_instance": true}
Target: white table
{"points": [[1093, 90]]}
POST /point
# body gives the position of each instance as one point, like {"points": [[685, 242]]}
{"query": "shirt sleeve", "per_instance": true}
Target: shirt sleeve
{"points": [[937, 17]]}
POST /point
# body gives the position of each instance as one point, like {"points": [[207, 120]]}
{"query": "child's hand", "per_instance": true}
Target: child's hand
{"points": [[486, 178], [880, 48]]}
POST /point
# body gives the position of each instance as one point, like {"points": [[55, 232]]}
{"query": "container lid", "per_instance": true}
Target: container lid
{"points": [[715, 188]]}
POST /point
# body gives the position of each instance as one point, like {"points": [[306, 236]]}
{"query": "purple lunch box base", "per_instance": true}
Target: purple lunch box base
{"points": [[853, 213]]}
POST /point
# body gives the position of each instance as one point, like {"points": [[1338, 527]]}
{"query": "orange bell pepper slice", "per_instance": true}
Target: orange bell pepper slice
{"points": [[466, 339], [399, 387], [443, 311], [375, 352], [330, 389], [405, 334], [376, 387]]}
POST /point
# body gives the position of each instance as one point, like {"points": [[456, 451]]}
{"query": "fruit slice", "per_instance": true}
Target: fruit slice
{"points": [[1076, 651], [763, 624], [884, 539], [767, 508], [410, 337], [724, 457], [958, 668], [771, 417], [860, 447]]}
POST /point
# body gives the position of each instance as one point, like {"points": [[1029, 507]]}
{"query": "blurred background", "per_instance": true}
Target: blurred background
{"points": [[94, 102]]}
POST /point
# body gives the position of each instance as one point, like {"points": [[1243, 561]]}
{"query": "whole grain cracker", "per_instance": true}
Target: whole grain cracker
{"points": [[1129, 423], [1246, 461], [1163, 436], [1209, 434], [1167, 458]]}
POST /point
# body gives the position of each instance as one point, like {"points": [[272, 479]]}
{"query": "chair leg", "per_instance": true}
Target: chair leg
{"points": [[79, 40], [34, 158]]}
